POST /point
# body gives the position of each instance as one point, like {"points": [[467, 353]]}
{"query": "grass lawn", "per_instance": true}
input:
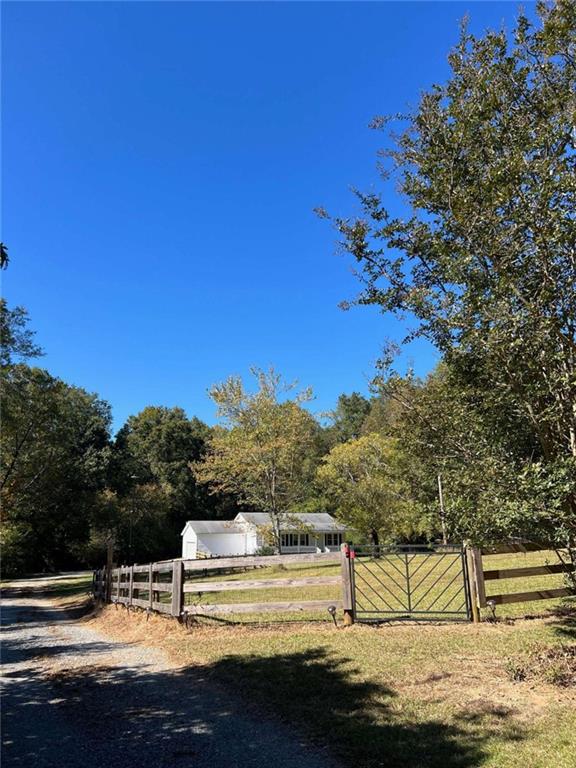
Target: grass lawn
{"points": [[66, 585], [500, 695]]}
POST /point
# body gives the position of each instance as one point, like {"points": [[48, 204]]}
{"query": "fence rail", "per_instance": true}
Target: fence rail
{"points": [[126, 586], [479, 576]]}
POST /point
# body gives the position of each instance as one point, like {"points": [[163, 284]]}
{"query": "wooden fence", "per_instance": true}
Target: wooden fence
{"points": [[163, 587], [478, 576]]}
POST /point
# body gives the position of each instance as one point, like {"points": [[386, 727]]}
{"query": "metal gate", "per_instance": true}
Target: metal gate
{"points": [[418, 583]]}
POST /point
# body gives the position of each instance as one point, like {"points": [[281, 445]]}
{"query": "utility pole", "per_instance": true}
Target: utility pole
{"points": [[109, 564], [442, 510]]}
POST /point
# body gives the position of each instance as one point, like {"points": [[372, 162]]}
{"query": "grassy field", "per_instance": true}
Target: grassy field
{"points": [[67, 585], [406, 695]]}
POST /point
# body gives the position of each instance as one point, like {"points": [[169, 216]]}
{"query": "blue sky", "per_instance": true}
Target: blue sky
{"points": [[161, 163]]}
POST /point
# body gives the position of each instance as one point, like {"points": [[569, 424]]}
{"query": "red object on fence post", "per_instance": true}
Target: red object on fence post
{"points": [[347, 554]]}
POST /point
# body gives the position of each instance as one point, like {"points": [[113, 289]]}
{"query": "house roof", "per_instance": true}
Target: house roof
{"points": [[315, 521], [214, 526]]}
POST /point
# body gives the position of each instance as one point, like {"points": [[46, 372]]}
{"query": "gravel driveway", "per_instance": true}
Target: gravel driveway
{"points": [[74, 699]]}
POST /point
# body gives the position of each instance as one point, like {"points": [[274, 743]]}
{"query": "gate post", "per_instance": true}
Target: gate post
{"points": [[348, 596], [475, 574]]}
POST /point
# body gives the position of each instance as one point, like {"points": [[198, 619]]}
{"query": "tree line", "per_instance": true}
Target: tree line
{"points": [[484, 268], [69, 487]]}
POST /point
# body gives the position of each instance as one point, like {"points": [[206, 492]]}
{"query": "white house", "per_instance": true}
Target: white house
{"points": [[306, 532]]}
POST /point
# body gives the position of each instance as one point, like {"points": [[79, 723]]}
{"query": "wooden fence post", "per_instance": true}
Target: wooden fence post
{"points": [[177, 584], [475, 581], [131, 588], [347, 584], [150, 582], [479, 576]]}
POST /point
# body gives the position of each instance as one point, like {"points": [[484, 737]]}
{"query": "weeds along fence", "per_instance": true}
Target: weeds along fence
{"points": [[230, 586]]}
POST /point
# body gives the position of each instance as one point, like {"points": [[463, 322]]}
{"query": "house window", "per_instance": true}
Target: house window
{"points": [[333, 539], [295, 540]]}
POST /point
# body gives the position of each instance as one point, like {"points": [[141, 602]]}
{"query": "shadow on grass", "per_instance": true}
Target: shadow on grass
{"points": [[362, 721], [564, 620], [297, 710]]}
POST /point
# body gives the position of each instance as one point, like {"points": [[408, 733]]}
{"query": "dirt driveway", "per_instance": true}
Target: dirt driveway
{"points": [[73, 698]]}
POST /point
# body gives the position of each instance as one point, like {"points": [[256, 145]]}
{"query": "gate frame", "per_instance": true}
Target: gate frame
{"points": [[468, 559]]}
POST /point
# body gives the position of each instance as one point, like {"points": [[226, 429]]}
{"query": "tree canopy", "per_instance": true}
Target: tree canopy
{"points": [[53, 461], [363, 479], [267, 453], [486, 263]]}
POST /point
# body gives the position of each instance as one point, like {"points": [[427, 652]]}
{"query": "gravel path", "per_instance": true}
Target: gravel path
{"points": [[74, 699]]}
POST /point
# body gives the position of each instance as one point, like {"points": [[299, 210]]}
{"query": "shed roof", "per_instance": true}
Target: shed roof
{"points": [[316, 521], [215, 526]]}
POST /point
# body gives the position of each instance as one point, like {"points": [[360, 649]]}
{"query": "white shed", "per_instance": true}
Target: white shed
{"points": [[213, 538]]}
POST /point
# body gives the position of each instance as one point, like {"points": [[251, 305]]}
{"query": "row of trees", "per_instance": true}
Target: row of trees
{"points": [[485, 266], [69, 488]]}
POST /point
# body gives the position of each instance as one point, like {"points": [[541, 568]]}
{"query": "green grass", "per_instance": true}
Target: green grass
{"points": [[531, 584], [398, 695], [402, 694], [406, 694], [69, 586], [65, 586]]}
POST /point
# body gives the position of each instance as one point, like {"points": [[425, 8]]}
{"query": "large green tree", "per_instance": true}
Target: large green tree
{"points": [[365, 482], [348, 417], [150, 475], [53, 462], [266, 451], [53, 456], [486, 262]]}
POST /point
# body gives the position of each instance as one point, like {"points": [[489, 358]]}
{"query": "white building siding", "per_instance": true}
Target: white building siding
{"points": [[189, 544], [219, 544]]}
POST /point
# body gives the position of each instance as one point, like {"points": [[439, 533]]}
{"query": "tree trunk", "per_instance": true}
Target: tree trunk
{"points": [[375, 539], [442, 510], [276, 531]]}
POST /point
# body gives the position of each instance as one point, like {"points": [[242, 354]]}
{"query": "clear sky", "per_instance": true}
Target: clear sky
{"points": [[161, 163]]}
